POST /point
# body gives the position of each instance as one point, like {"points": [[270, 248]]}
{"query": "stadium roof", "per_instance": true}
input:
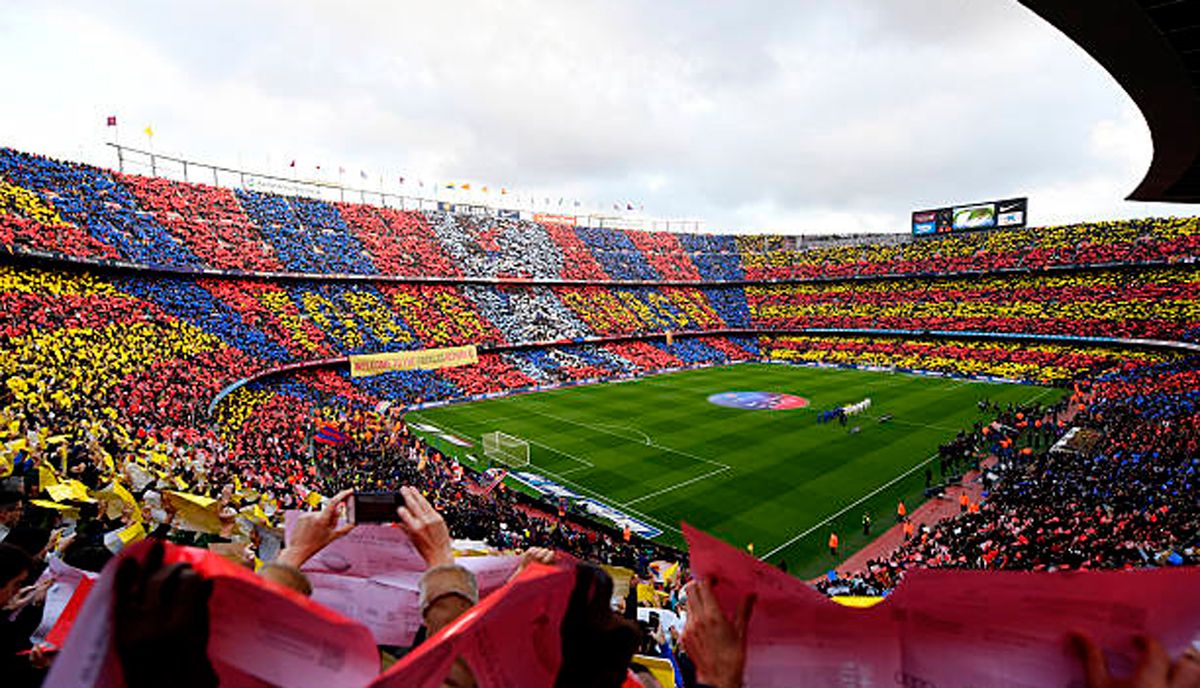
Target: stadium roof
{"points": [[1152, 48]]}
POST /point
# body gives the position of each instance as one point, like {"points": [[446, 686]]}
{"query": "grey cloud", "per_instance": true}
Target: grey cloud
{"points": [[861, 107]]}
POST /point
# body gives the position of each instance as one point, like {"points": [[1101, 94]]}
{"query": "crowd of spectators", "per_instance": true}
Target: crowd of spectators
{"points": [[310, 319], [618, 255], [97, 203], [666, 255], [105, 435], [1145, 240], [207, 219], [1118, 492], [1028, 361], [1151, 303], [28, 221], [401, 242], [95, 213]]}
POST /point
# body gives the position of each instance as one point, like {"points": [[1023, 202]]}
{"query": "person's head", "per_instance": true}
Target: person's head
{"points": [[87, 553], [15, 567], [597, 645], [12, 502]]}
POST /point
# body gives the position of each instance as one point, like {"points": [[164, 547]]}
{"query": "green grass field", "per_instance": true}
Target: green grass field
{"points": [[657, 450]]}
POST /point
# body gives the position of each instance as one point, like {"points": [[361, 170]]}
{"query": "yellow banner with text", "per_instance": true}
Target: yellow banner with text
{"points": [[425, 359]]}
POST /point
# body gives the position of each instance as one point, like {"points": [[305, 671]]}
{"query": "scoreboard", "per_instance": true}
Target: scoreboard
{"points": [[972, 217]]}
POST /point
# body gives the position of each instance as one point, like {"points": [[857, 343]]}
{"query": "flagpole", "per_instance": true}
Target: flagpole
{"points": [[150, 144]]}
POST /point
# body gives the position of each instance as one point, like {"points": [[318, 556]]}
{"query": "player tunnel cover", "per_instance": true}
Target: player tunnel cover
{"points": [[758, 401]]}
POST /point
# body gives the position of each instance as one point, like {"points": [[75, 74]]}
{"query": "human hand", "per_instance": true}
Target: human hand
{"points": [[715, 645], [534, 555], [1154, 668], [426, 528], [313, 531], [41, 657], [30, 594]]}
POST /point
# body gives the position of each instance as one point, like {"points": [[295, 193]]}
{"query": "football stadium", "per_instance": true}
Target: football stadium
{"points": [[277, 426]]}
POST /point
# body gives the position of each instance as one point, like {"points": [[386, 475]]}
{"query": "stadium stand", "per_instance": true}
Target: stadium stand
{"points": [[159, 222], [111, 369], [1115, 504]]}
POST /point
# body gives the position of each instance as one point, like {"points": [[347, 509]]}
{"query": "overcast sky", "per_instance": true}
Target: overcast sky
{"points": [[806, 116]]}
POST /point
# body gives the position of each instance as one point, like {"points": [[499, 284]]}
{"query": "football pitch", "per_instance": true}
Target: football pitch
{"points": [[657, 450]]}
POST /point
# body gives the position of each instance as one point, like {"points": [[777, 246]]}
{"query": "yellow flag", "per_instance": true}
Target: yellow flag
{"points": [[856, 601], [47, 504], [117, 540], [108, 460], [194, 512], [118, 500], [68, 510], [69, 490], [671, 572], [149, 131], [46, 476], [645, 592], [198, 500]]}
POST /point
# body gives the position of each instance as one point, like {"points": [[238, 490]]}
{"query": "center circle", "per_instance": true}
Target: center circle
{"points": [[758, 401]]}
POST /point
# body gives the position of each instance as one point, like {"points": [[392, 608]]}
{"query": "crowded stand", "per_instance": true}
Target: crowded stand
{"points": [[28, 221], [1152, 240], [146, 406], [308, 235], [1152, 303], [489, 247], [1125, 500], [208, 220], [190, 225], [666, 255], [95, 200], [400, 242], [1041, 363], [617, 254]]}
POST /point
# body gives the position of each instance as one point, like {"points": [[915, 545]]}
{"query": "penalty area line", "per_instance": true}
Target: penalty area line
{"points": [[603, 431], [585, 462], [848, 507], [677, 486], [592, 493]]}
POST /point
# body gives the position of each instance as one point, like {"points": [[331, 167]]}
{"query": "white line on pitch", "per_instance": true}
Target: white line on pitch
{"points": [[599, 497], [606, 432], [675, 487], [585, 462], [850, 506], [1041, 394]]}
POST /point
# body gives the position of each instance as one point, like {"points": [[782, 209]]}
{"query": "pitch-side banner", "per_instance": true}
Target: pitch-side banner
{"points": [[425, 359]]}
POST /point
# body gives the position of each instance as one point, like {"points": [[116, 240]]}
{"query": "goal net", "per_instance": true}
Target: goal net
{"points": [[506, 449]]}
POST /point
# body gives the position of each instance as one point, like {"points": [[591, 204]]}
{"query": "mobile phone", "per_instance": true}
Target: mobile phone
{"points": [[374, 507]]}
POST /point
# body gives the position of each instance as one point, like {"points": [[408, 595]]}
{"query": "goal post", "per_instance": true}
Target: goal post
{"points": [[506, 449]]}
